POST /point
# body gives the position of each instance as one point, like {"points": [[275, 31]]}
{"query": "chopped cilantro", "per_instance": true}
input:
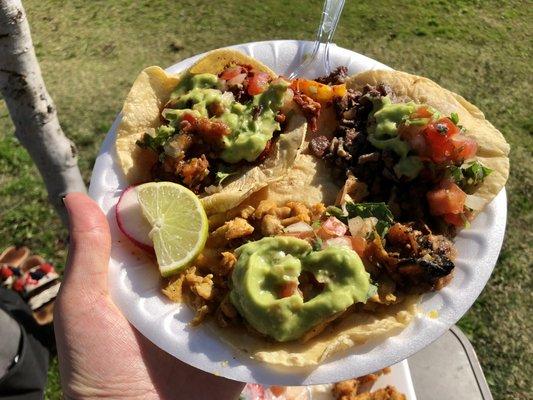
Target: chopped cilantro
{"points": [[317, 244], [336, 212], [222, 175], [365, 210], [454, 117], [376, 210], [157, 141], [469, 175]]}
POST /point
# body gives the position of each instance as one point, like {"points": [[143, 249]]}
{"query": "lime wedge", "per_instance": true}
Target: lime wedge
{"points": [[179, 224]]}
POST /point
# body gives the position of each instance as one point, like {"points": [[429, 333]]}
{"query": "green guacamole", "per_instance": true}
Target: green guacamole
{"points": [[384, 134], [250, 130], [265, 266]]}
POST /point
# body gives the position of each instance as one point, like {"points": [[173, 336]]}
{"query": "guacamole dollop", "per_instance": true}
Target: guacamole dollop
{"points": [[265, 266], [251, 125], [384, 133]]}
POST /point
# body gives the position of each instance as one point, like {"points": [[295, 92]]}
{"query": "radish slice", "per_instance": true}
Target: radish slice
{"points": [[131, 220]]}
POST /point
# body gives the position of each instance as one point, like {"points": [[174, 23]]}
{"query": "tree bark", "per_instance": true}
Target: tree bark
{"points": [[32, 109]]}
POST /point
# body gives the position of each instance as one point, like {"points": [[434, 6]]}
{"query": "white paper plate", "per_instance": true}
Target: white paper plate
{"points": [[135, 285]]}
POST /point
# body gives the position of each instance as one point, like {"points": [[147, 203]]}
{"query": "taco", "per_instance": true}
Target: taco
{"points": [[222, 128]]}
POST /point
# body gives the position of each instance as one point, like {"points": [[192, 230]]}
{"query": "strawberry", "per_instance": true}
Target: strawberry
{"points": [[6, 272], [18, 286], [46, 268]]}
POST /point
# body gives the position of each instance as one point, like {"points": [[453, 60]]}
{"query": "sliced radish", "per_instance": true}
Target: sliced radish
{"points": [[131, 220]]}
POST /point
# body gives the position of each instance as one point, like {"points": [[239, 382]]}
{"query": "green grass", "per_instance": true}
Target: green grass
{"points": [[90, 53]]}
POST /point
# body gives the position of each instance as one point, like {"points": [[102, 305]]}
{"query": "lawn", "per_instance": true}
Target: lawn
{"points": [[90, 53]]}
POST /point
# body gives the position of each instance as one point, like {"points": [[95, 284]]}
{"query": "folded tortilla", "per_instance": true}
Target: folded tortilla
{"points": [[493, 150], [141, 113]]}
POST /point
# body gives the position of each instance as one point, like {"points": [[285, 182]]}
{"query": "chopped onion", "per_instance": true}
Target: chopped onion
{"points": [[343, 241], [362, 227], [227, 98], [298, 227], [237, 80], [474, 202]]}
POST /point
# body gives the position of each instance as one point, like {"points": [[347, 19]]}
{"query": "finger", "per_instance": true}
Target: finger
{"points": [[90, 245]]}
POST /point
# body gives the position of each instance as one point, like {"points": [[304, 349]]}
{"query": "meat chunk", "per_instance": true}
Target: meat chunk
{"points": [[271, 225], [337, 77], [200, 285], [194, 171], [233, 229], [310, 109], [387, 393], [319, 145], [412, 258]]}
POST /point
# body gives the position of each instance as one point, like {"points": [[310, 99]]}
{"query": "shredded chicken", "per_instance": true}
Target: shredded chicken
{"points": [[200, 285], [232, 229], [271, 225], [201, 314], [359, 389], [388, 393]]}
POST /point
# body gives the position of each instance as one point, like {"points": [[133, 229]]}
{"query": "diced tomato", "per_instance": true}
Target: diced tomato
{"points": [[458, 220], [232, 72], [421, 112], [448, 198], [331, 227], [358, 244], [255, 391], [438, 135], [30, 280], [288, 289], [258, 83], [464, 147], [189, 118], [277, 390], [6, 272]]}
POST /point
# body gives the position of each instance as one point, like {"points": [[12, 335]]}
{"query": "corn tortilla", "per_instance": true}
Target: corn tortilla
{"points": [[141, 113], [493, 150]]}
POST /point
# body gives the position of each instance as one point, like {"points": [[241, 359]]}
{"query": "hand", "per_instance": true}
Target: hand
{"points": [[100, 354]]}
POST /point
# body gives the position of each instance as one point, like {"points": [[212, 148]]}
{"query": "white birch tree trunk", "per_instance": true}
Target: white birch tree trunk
{"points": [[32, 110]]}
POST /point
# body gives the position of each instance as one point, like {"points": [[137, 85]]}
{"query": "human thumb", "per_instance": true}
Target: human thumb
{"points": [[90, 246]]}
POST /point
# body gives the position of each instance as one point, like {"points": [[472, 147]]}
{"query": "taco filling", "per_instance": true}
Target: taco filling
{"points": [[400, 151], [213, 124], [288, 271]]}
